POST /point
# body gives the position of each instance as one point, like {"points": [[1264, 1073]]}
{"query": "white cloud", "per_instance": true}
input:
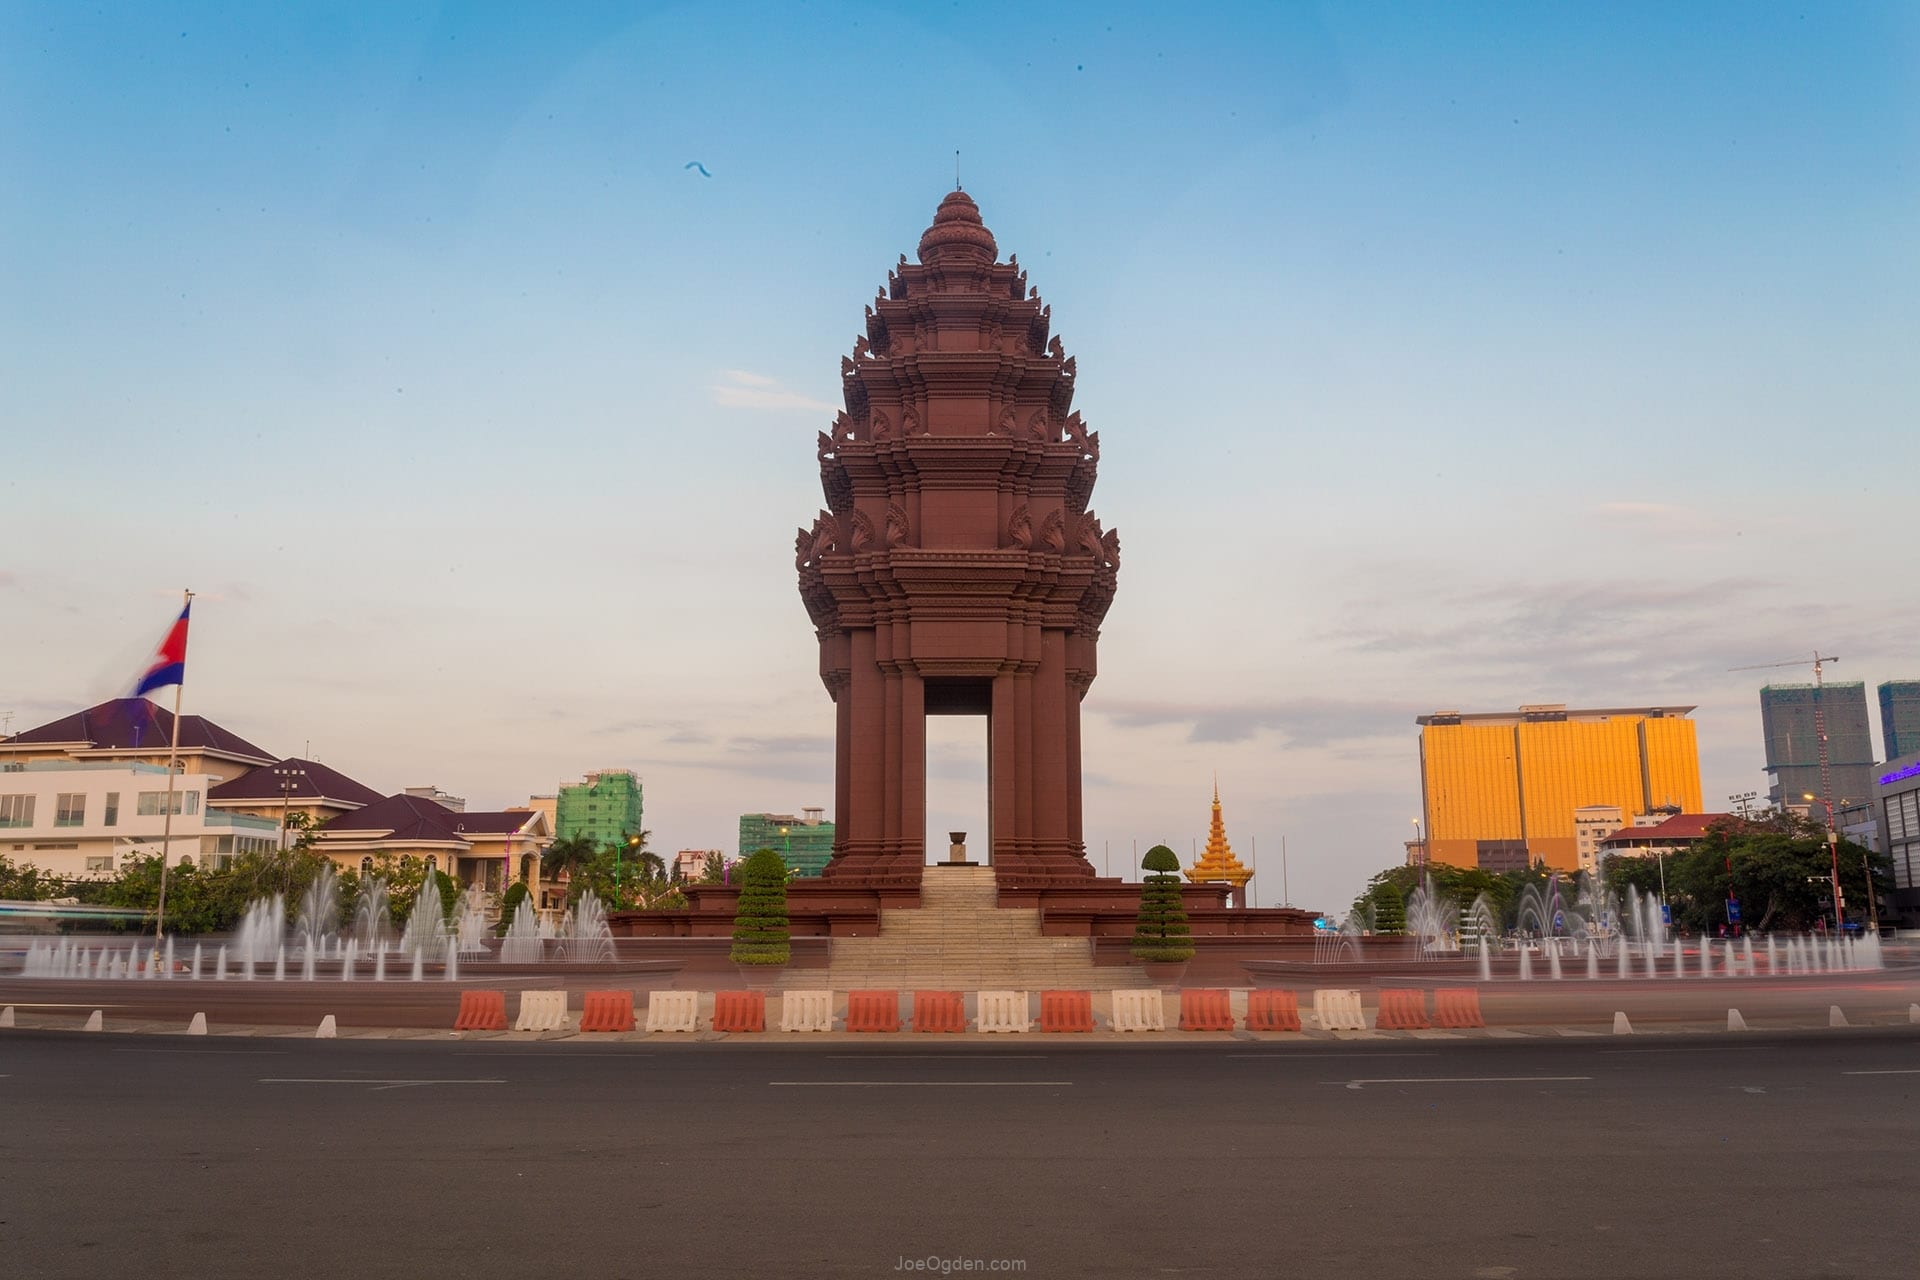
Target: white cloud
{"points": [[740, 389]]}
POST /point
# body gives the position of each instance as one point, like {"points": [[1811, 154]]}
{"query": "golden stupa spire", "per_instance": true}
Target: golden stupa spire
{"points": [[1218, 864]]}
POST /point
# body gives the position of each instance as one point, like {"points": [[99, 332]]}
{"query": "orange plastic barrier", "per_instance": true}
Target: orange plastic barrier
{"points": [[1205, 1009], [1457, 1007], [607, 1011], [939, 1011], [739, 1011], [873, 1010], [1402, 1010], [1066, 1010], [1272, 1009], [482, 1011]]}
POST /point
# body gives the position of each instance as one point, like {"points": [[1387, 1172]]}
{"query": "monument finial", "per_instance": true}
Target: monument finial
{"points": [[956, 168], [1218, 863]]}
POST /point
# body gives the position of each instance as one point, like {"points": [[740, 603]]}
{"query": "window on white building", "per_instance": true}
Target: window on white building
{"points": [[154, 803], [16, 811], [112, 818], [101, 863], [70, 809]]}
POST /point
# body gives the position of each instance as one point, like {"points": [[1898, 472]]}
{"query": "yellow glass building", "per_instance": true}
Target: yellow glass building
{"points": [[1500, 790]]}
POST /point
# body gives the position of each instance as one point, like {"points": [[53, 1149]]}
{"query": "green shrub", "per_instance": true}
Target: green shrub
{"points": [[1161, 934], [761, 934], [509, 903]]}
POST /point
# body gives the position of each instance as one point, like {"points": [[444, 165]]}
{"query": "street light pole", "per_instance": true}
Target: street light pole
{"points": [[1833, 833], [287, 784]]}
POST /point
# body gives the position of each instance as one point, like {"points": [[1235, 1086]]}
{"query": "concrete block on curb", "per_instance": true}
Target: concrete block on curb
{"points": [[6, 1016], [542, 1011], [327, 1030], [1835, 1018], [673, 1011], [806, 1011], [1139, 1010], [198, 1025], [1002, 1011], [1621, 1027], [1734, 1021], [94, 1022]]}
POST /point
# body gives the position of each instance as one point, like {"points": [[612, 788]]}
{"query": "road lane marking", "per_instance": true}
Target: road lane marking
{"points": [[374, 1082], [1308, 1055], [1356, 1084], [916, 1084], [277, 1052], [1898, 1071], [884, 1054]]}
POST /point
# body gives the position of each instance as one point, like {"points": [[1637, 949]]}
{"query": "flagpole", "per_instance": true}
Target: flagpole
{"points": [[166, 822]]}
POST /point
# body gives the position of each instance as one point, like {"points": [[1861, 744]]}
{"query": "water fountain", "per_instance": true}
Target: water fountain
{"points": [[372, 918], [523, 943], [587, 938]]}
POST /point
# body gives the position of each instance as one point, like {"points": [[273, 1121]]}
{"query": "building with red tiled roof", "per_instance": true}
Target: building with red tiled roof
{"points": [[1681, 831], [135, 731], [319, 792], [487, 849]]}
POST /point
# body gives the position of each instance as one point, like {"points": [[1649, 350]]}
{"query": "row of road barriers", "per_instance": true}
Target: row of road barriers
{"points": [[880, 1011]]}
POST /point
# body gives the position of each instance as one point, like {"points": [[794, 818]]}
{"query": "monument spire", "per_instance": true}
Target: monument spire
{"points": [[956, 568], [1218, 863]]}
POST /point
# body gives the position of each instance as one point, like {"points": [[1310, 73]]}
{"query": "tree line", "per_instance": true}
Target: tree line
{"points": [[1776, 866]]}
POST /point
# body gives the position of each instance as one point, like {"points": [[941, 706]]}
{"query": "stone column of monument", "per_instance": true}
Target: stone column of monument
{"points": [[957, 568]]}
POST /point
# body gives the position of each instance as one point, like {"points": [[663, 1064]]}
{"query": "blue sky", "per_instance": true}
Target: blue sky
{"points": [[1454, 356]]}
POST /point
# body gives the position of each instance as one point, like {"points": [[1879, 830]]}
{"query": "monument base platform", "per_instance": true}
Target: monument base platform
{"points": [[1090, 907]]}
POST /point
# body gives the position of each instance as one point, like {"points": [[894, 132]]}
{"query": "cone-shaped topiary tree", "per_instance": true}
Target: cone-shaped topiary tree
{"points": [[509, 903], [760, 929], [1161, 935], [1389, 909]]}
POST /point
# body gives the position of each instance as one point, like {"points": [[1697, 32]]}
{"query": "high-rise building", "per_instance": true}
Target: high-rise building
{"points": [[1793, 745], [804, 842], [1502, 790], [1900, 718], [605, 808]]}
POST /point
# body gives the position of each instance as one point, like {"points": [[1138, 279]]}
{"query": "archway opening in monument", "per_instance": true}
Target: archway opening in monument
{"points": [[959, 769]]}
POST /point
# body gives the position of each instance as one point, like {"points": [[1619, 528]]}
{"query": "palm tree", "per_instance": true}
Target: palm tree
{"points": [[566, 858]]}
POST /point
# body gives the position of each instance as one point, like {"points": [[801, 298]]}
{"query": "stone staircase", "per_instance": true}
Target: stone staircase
{"points": [[960, 939]]}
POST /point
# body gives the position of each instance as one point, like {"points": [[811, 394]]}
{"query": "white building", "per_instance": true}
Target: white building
{"points": [[78, 819]]}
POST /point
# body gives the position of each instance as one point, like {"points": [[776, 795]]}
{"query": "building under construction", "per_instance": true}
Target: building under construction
{"points": [[1789, 720]]}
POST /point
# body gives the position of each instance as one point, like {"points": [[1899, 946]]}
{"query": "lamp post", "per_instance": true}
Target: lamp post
{"points": [[287, 775], [1419, 845], [1833, 852], [786, 834], [631, 842]]}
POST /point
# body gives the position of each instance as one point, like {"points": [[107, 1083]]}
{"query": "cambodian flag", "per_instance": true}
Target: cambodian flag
{"points": [[169, 664]]}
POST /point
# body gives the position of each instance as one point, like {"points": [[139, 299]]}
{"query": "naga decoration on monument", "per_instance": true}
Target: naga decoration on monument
{"points": [[957, 568]]}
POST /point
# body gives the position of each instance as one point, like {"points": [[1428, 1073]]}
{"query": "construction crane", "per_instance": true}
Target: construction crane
{"points": [[1819, 664]]}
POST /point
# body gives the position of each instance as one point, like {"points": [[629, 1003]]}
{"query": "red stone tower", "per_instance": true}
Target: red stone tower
{"points": [[957, 569]]}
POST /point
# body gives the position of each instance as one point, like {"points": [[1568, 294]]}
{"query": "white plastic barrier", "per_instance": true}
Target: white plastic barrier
{"points": [[673, 1011], [1337, 1010], [806, 1011], [1139, 1010], [1002, 1011], [542, 1011]]}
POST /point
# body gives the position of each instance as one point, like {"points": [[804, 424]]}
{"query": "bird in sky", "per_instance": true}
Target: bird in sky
{"points": [[695, 164]]}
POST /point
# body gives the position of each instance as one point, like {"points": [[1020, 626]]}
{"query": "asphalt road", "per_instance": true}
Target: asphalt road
{"points": [[1693, 1157]]}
